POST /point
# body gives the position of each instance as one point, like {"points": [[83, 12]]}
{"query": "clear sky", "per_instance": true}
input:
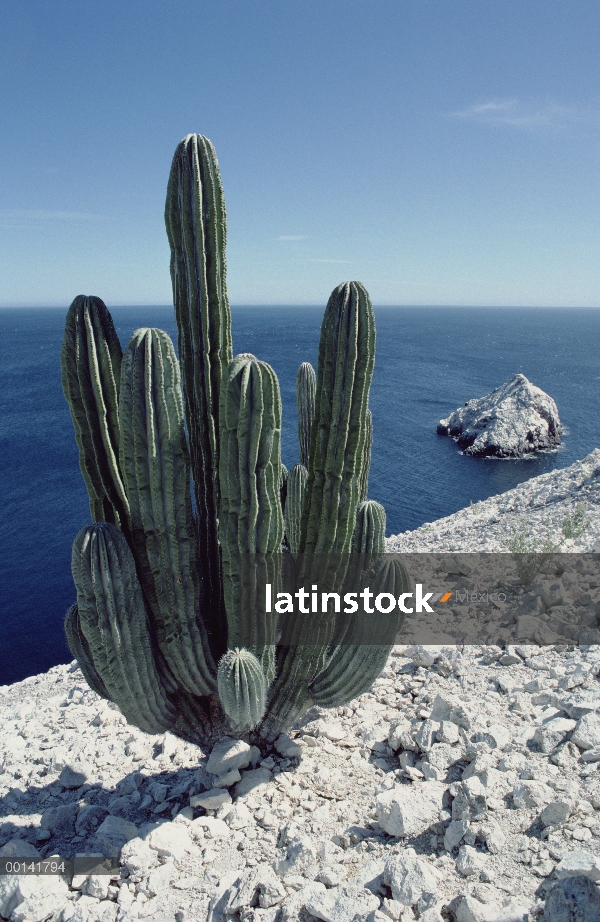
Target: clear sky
{"points": [[439, 151]]}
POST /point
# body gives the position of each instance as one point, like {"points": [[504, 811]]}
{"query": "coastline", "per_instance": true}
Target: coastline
{"points": [[359, 809]]}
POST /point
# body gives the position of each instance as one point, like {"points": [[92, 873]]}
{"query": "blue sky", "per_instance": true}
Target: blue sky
{"points": [[439, 151]]}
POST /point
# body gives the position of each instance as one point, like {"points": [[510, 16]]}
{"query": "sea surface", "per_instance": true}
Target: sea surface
{"points": [[429, 361]]}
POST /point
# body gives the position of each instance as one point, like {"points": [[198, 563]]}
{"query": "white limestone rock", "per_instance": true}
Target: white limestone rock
{"points": [[407, 810], [572, 898], [31, 898], [346, 903], [512, 421], [409, 876], [228, 754], [172, 840], [586, 734], [470, 862], [112, 835], [580, 863], [211, 800]]}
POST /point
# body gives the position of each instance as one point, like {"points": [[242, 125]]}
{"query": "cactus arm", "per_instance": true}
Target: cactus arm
{"points": [[296, 487], [366, 464], [155, 464], [242, 688], [196, 223], [369, 531], [358, 659], [91, 366], [79, 647], [251, 521], [346, 360], [306, 385], [114, 623]]}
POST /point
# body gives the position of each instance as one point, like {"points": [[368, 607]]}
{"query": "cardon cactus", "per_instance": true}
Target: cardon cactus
{"points": [[169, 621]]}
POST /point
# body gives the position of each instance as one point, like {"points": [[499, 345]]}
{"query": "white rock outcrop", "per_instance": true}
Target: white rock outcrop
{"points": [[464, 785], [513, 421]]}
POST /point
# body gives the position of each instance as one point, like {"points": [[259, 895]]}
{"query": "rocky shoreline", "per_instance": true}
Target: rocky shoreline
{"points": [[464, 786]]}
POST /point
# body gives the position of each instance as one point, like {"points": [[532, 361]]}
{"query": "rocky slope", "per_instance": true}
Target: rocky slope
{"points": [[513, 421], [464, 786]]}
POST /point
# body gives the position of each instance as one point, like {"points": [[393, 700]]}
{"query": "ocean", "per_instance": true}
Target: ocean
{"points": [[429, 361]]}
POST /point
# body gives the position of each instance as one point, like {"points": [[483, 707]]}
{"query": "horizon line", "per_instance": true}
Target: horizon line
{"points": [[274, 304]]}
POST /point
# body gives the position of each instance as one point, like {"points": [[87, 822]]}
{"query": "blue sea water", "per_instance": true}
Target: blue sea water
{"points": [[429, 361]]}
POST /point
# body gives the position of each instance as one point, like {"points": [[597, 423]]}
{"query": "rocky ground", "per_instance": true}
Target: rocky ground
{"points": [[464, 786]]}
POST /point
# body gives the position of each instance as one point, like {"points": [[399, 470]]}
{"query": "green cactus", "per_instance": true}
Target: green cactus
{"points": [[242, 689], [160, 600], [81, 651], [296, 487], [357, 658], [155, 464], [251, 521], [369, 531], [306, 386], [346, 360], [91, 370], [196, 225], [113, 620], [366, 465]]}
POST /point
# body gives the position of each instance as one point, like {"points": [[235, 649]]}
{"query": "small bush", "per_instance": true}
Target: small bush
{"points": [[574, 524]]}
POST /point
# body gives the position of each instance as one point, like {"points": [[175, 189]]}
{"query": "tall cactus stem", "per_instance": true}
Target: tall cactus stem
{"points": [[251, 521], [91, 369], [80, 649], [156, 471], [196, 225], [346, 360], [306, 386], [113, 621], [366, 464], [297, 478]]}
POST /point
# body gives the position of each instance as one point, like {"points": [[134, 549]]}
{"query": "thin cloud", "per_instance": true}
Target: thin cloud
{"points": [[37, 214], [345, 262], [293, 237], [517, 114]]}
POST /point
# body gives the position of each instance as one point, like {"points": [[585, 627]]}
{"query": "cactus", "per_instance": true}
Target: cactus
{"points": [[366, 464], [251, 521], [164, 591], [81, 650], [306, 386], [155, 464], [91, 369], [196, 225], [242, 689], [296, 487], [346, 360], [369, 531], [357, 658], [113, 620]]}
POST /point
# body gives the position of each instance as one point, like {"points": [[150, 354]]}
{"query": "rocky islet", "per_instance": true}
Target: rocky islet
{"points": [[514, 420]]}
